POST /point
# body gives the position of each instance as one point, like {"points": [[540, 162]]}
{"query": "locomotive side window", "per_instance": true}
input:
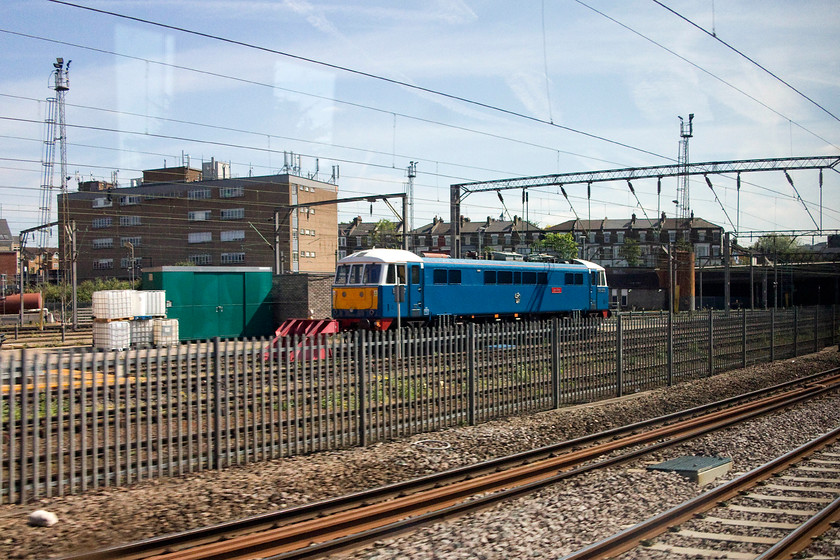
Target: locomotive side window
{"points": [[395, 272], [489, 276], [454, 276], [570, 279], [439, 276], [415, 275], [578, 279], [542, 277], [505, 277], [373, 273], [529, 277], [517, 277]]}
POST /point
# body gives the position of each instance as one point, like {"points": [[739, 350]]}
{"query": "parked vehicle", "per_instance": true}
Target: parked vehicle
{"points": [[380, 288]]}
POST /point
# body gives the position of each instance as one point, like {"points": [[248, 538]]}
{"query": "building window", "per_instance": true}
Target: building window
{"points": [[102, 202], [199, 216], [103, 264], [494, 238], [129, 220], [342, 242], [606, 237], [672, 236], [592, 237], [103, 243], [508, 239], [99, 223], [198, 194], [199, 260], [231, 192], [200, 237], [233, 258], [701, 235], [126, 262], [642, 236], [233, 214], [129, 200], [233, 235], [135, 241], [619, 237]]}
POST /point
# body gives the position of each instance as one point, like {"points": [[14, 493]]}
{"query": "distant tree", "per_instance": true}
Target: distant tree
{"points": [[631, 252], [84, 291], [783, 248], [561, 244], [385, 235]]}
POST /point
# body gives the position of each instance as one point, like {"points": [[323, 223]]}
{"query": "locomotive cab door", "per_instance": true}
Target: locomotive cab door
{"points": [[414, 290], [593, 290]]}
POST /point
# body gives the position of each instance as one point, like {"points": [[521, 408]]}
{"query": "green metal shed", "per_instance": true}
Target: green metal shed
{"points": [[211, 301]]}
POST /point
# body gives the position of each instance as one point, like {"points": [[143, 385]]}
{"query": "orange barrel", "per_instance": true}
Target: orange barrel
{"points": [[11, 304]]}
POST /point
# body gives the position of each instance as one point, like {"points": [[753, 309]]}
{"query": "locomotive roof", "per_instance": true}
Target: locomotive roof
{"points": [[401, 256], [382, 256]]}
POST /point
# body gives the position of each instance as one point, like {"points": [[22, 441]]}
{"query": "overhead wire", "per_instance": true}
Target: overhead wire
{"points": [[392, 81], [707, 72], [714, 36]]}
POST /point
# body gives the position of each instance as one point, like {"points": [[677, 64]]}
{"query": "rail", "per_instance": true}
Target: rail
{"points": [[329, 525]]}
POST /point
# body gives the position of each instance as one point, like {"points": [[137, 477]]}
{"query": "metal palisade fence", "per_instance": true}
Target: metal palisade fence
{"points": [[71, 421]]}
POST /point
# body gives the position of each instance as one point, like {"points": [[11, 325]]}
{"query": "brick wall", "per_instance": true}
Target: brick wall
{"points": [[302, 296]]}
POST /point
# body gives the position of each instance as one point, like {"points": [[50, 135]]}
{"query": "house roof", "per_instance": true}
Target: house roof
{"points": [[632, 223], [5, 232]]}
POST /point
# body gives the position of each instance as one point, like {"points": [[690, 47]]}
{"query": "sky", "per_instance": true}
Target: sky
{"points": [[470, 90]]}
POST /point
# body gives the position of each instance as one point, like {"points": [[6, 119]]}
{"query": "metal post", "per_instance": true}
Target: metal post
{"points": [[726, 272], [216, 454], [670, 349], [471, 396], [555, 362], [455, 221], [619, 358], [361, 385], [277, 242], [744, 338], [773, 334], [711, 342], [795, 331]]}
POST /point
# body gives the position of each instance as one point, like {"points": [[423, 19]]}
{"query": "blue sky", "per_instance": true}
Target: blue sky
{"points": [[142, 96]]}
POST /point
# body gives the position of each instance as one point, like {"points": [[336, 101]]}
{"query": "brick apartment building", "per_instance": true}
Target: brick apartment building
{"points": [[174, 217]]}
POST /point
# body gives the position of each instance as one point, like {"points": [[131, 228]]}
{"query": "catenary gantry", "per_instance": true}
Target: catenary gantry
{"points": [[458, 192]]}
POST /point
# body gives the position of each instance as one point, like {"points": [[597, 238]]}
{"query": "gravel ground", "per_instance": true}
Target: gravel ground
{"points": [[547, 524]]}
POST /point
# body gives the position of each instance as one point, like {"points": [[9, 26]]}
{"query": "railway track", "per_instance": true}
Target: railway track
{"points": [[326, 526], [802, 500]]}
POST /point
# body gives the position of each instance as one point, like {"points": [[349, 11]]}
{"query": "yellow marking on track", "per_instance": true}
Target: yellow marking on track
{"points": [[79, 380]]}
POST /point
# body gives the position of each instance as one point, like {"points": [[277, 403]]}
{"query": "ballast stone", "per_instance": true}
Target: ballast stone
{"points": [[42, 518]]}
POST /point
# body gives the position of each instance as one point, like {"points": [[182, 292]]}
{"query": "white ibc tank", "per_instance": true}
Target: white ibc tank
{"points": [[149, 303], [142, 332], [113, 335], [113, 304], [166, 332]]}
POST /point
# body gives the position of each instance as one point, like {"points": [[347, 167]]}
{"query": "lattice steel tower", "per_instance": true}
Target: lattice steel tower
{"points": [[683, 200], [55, 131]]}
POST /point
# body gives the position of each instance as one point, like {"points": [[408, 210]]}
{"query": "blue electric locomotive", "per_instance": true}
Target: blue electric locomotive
{"points": [[380, 287]]}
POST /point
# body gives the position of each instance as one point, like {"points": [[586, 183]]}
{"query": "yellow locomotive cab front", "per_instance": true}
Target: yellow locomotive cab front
{"points": [[355, 297]]}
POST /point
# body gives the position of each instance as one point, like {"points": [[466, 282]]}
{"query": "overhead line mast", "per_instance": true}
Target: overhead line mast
{"points": [[683, 198], [55, 131]]}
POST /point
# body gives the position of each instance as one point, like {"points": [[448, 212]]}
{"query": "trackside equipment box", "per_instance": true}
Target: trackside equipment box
{"points": [[211, 301]]}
